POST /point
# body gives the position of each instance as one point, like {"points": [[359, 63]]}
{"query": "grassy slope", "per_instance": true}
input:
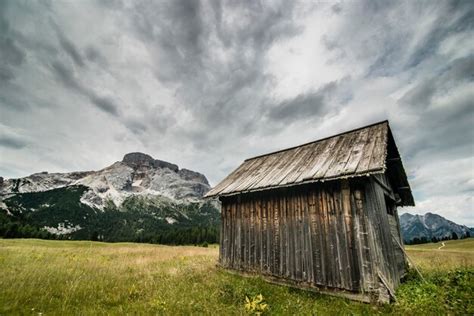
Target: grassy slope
{"points": [[456, 245], [455, 253], [78, 277]]}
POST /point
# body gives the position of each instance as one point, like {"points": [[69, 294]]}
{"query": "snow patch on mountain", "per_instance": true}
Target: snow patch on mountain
{"points": [[62, 229]]}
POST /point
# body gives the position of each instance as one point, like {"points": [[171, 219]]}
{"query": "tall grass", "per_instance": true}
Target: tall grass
{"points": [[90, 278]]}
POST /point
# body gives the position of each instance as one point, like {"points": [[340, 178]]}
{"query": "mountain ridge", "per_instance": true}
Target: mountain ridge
{"points": [[136, 173], [430, 226], [136, 199]]}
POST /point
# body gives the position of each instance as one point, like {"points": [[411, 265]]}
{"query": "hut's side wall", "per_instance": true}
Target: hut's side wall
{"points": [[323, 235], [385, 229]]}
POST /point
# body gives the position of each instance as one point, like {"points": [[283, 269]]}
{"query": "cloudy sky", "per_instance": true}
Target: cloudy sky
{"points": [[206, 84]]}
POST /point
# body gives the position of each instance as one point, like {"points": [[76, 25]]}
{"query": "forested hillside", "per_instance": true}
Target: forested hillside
{"points": [[59, 214]]}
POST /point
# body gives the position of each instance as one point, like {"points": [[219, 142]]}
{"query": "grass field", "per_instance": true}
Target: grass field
{"points": [[39, 277], [454, 254]]}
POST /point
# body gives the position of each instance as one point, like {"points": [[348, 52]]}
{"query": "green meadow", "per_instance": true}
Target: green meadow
{"points": [[40, 277]]}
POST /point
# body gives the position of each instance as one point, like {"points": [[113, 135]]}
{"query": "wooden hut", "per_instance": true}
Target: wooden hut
{"points": [[322, 215]]}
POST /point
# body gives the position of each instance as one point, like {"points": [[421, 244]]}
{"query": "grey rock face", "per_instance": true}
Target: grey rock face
{"points": [[193, 176], [138, 174], [138, 160], [164, 164]]}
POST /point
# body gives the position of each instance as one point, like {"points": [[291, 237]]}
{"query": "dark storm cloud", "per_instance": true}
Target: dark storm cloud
{"points": [[389, 45], [388, 48], [457, 72], [66, 76], [458, 17], [11, 55], [68, 46], [174, 29], [185, 36], [303, 106], [443, 130], [6, 74], [12, 142], [94, 55], [105, 104], [10, 100], [156, 119], [136, 126]]}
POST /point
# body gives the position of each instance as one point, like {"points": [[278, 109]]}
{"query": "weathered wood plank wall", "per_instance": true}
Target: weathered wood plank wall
{"points": [[334, 235]]}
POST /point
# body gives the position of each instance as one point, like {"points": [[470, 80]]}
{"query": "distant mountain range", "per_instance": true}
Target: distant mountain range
{"points": [[136, 199], [429, 226]]}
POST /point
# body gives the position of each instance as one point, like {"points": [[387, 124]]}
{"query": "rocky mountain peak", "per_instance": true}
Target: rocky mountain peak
{"points": [[138, 159], [193, 176], [428, 226]]}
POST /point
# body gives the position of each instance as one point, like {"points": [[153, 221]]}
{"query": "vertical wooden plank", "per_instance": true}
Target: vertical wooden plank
{"points": [[238, 238], [251, 234], [276, 234], [248, 241], [225, 234], [320, 277], [263, 234], [272, 235], [330, 260], [221, 235], [308, 236], [335, 238], [292, 233], [247, 234], [253, 239], [299, 263], [359, 242], [258, 234], [230, 225], [342, 240], [315, 232], [323, 244], [306, 253], [352, 267], [287, 237], [269, 233], [366, 242], [244, 229], [281, 202], [232, 235], [304, 257], [304, 273]]}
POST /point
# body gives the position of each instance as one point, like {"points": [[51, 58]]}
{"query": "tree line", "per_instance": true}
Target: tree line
{"points": [[425, 240], [173, 236]]}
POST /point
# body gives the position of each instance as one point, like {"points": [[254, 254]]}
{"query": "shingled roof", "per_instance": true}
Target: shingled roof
{"points": [[354, 153]]}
